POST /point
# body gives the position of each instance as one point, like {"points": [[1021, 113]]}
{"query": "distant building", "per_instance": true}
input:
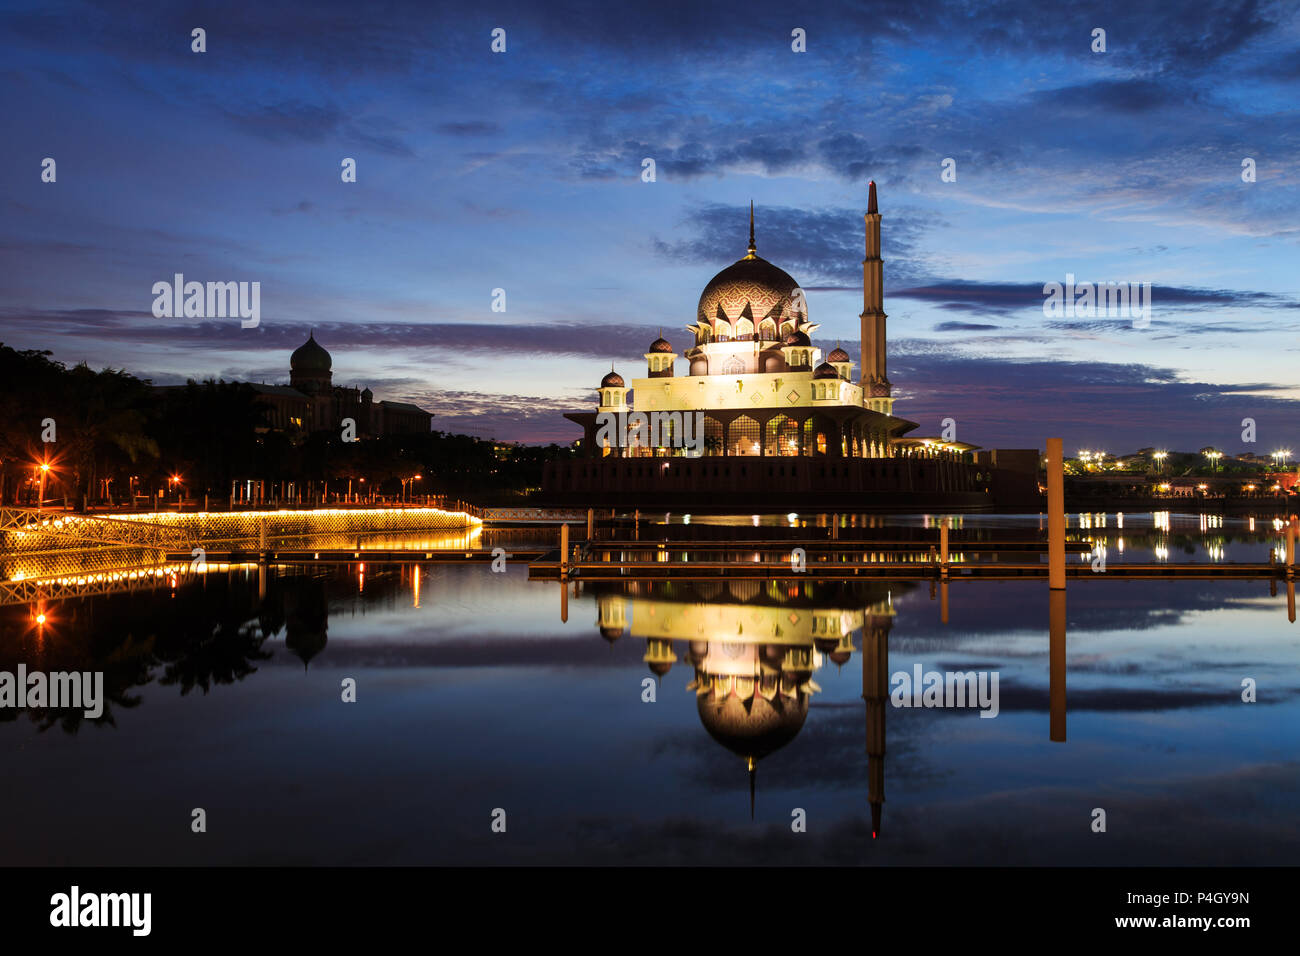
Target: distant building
{"points": [[312, 402]]}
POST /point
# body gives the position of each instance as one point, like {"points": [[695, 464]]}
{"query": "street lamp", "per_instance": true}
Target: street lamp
{"points": [[1160, 457], [45, 470]]}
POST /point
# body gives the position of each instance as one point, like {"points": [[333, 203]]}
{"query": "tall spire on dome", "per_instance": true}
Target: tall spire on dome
{"points": [[752, 248]]}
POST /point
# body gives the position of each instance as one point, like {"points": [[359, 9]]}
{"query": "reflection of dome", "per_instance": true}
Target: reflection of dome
{"points": [[797, 338], [840, 657], [753, 728], [612, 380], [826, 644], [838, 355], [611, 634], [826, 370], [753, 285], [661, 667], [661, 344], [306, 620], [310, 357]]}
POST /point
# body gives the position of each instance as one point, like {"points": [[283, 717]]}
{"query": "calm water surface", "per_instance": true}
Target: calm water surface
{"points": [[473, 695]]}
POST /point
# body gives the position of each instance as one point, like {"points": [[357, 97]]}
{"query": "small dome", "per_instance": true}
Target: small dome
{"points": [[798, 338], [826, 644], [310, 356], [661, 344], [612, 380], [825, 370], [840, 657], [661, 667], [838, 355], [611, 634]]}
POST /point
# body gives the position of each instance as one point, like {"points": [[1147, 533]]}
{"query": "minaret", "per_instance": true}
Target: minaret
{"points": [[753, 249], [875, 384]]}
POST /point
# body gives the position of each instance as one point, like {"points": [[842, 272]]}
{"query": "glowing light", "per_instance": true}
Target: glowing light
{"points": [[40, 618]]}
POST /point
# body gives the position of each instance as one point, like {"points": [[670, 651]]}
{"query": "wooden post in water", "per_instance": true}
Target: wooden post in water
{"points": [[1055, 515], [1056, 664], [564, 603], [1290, 601], [943, 601], [1290, 547], [564, 556], [591, 522], [943, 546]]}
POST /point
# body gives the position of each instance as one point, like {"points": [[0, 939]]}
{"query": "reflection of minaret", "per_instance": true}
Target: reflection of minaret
{"points": [[875, 691]]}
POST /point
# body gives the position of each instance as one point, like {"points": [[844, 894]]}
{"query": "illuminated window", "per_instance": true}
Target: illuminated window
{"points": [[743, 437], [782, 436], [712, 436]]}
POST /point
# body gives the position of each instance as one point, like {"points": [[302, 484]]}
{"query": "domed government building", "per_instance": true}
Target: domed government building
{"points": [[777, 415], [312, 402]]}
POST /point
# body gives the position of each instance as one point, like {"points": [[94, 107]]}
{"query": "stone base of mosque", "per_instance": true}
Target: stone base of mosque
{"points": [[723, 484]]}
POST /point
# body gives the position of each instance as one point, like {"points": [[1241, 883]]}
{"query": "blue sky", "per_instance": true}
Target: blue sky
{"points": [[521, 171]]}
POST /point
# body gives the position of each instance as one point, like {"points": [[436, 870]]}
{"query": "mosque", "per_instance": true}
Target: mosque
{"points": [[777, 415]]}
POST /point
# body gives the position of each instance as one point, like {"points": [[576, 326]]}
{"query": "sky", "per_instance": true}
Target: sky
{"points": [[522, 170]]}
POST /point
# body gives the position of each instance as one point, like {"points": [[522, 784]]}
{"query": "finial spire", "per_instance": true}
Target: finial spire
{"points": [[871, 198], [752, 247]]}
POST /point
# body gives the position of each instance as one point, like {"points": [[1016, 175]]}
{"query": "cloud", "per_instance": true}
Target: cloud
{"points": [[469, 128], [1007, 297], [813, 245]]}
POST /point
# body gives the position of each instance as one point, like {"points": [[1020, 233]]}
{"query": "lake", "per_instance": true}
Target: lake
{"points": [[476, 703]]}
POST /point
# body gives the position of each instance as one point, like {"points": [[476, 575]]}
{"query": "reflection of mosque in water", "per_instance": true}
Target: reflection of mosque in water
{"points": [[754, 646]]}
